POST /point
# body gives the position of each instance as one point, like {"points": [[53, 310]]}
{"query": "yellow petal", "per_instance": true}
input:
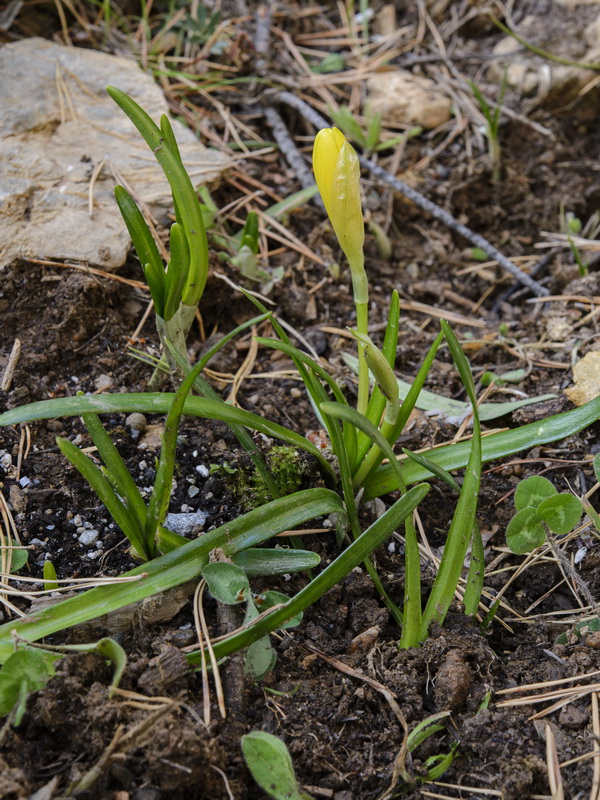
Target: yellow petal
{"points": [[328, 144], [345, 209]]}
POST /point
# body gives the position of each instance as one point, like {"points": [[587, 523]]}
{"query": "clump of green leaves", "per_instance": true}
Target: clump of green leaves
{"points": [[435, 765], [177, 290], [540, 507]]}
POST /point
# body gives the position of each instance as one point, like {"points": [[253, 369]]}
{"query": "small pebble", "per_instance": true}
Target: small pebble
{"points": [[193, 491], [185, 523], [202, 470], [103, 382], [137, 422], [38, 543], [572, 717], [89, 537]]}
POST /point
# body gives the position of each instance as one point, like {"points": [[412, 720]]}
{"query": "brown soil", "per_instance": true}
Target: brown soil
{"points": [[341, 731]]}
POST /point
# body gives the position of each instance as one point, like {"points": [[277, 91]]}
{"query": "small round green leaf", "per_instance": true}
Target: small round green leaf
{"points": [[532, 491], [560, 513], [525, 532], [271, 766], [227, 583], [18, 557], [259, 658]]}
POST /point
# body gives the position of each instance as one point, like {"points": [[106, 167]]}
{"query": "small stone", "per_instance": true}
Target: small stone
{"points": [[103, 382], [17, 498], [88, 537], [193, 491], [202, 471], [38, 543], [137, 422], [403, 97], [295, 392], [592, 640], [572, 717], [586, 374], [185, 523]]}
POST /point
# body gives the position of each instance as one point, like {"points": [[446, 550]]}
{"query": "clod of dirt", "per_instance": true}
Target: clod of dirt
{"points": [[572, 717], [452, 682], [13, 783]]}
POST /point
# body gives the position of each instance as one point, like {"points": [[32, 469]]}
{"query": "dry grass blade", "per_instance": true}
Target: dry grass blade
{"points": [[204, 637], [476, 790], [561, 695], [245, 369], [553, 766], [595, 790]]}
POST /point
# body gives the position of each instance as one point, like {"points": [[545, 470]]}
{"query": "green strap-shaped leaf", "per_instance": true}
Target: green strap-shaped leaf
{"points": [[498, 445], [179, 566], [350, 558], [159, 403], [125, 518], [464, 518], [145, 247], [184, 194], [116, 470], [177, 271]]}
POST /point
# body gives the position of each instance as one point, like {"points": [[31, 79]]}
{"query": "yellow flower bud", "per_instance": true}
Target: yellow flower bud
{"points": [[337, 171]]}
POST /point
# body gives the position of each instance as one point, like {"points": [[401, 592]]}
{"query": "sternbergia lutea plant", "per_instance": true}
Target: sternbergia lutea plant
{"points": [[360, 438]]}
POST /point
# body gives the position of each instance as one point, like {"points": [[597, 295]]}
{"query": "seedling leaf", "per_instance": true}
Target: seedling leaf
{"points": [[18, 556], [270, 763], [525, 532], [532, 491], [560, 513], [267, 561], [227, 582], [24, 672], [259, 658]]}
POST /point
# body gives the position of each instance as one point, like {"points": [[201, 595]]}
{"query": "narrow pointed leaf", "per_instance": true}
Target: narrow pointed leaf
{"points": [[179, 566], [495, 446], [159, 403], [332, 574]]}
